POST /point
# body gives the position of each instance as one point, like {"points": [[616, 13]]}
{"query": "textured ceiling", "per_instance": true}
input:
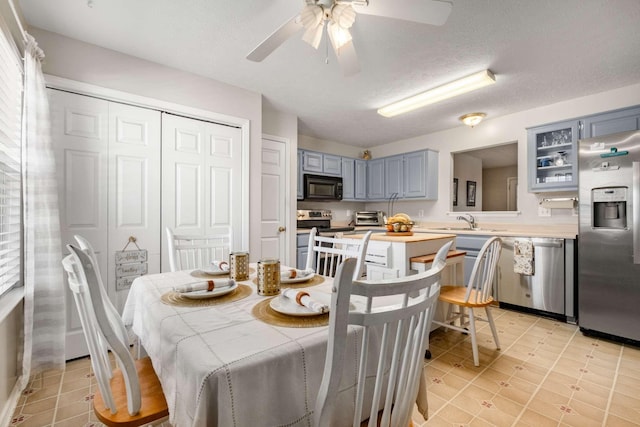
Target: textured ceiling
{"points": [[542, 52]]}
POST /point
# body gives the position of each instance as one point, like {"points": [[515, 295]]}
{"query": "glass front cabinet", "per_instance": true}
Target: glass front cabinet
{"points": [[553, 157]]}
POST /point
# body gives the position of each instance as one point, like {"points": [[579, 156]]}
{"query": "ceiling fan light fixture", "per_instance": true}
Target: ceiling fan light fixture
{"points": [[339, 36], [472, 119], [440, 93]]}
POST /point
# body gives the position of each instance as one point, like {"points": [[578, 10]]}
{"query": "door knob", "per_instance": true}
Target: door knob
{"points": [[281, 229]]}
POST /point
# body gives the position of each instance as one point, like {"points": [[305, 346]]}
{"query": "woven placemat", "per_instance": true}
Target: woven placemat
{"points": [[175, 298], [263, 311], [202, 275], [315, 280]]}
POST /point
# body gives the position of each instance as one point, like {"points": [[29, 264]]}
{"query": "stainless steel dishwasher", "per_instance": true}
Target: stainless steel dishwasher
{"points": [[544, 290]]}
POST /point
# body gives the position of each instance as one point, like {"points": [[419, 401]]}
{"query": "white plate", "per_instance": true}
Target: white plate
{"points": [[209, 294], [287, 306], [298, 279], [208, 272]]}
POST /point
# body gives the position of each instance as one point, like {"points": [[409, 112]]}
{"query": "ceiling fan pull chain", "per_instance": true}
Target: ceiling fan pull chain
{"points": [[326, 45]]}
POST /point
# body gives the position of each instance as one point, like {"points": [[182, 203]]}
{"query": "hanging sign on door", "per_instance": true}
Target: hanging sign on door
{"points": [[130, 264]]}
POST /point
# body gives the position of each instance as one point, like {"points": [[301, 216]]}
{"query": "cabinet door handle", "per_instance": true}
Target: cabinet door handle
{"points": [[282, 228]]}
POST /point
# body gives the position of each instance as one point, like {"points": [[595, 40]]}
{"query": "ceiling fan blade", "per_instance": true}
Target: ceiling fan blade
{"points": [[278, 37], [348, 59], [432, 12]]}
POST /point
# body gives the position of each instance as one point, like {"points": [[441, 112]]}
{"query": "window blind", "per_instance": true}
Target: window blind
{"points": [[10, 162]]}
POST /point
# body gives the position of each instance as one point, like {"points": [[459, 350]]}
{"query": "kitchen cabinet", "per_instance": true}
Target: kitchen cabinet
{"points": [[421, 175], [472, 245], [375, 179], [552, 156], [320, 163], [300, 194], [408, 176], [393, 178], [623, 120], [360, 180], [354, 179], [302, 250]]}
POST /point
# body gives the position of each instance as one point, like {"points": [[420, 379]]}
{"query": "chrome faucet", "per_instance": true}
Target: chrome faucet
{"points": [[471, 221]]}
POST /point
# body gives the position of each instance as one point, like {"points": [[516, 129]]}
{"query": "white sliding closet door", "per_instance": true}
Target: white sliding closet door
{"points": [[108, 168], [202, 186]]}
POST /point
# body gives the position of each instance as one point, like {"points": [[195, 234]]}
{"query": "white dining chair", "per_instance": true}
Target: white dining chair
{"points": [[403, 322], [130, 395], [326, 253], [188, 252], [476, 294]]}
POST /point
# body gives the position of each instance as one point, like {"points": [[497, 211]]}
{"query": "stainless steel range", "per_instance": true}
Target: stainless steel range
{"points": [[321, 219]]}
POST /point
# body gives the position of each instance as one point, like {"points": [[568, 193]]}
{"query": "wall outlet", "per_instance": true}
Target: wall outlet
{"points": [[542, 211], [421, 213]]}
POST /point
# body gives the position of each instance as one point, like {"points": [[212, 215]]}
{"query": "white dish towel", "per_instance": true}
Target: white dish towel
{"points": [[304, 299], [523, 257]]}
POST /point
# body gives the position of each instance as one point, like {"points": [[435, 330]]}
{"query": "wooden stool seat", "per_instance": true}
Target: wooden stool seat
{"points": [[428, 259]]}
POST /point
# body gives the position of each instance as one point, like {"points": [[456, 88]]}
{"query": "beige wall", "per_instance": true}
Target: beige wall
{"points": [[467, 168], [494, 187]]}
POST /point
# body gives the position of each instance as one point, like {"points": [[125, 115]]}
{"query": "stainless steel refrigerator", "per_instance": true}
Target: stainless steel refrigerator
{"points": [[609, 235]]}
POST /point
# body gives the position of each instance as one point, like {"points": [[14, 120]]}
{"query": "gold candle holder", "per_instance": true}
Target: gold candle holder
{"points": [[268, 277], [239, 266]]}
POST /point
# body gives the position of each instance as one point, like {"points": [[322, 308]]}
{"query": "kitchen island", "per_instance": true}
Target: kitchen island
{"points": [[388, 256]]}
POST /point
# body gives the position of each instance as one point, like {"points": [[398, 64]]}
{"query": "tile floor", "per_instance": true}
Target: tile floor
{"points": [[546, 374]]}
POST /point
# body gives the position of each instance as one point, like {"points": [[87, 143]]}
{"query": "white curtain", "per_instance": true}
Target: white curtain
{"points": [[44, 304]]}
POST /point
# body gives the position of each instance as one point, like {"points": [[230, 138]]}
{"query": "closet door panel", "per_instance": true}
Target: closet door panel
{"points": [[188, 196], [134, 188], [79, 127]]}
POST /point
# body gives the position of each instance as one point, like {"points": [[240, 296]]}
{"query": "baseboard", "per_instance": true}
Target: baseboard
{"points": [[6, 412]]}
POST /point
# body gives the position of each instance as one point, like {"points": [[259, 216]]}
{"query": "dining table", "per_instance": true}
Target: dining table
{"points": [[234, 360]]}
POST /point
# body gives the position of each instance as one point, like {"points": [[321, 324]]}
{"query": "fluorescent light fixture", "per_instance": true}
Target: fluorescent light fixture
{"points": [[448, 90]]}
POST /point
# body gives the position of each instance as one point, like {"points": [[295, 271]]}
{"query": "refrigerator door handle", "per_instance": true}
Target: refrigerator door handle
{"points": [[636, 212]]}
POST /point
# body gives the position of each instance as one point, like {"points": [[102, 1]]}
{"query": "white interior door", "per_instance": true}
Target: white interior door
{"points": [[202, 173], [274, 218]]}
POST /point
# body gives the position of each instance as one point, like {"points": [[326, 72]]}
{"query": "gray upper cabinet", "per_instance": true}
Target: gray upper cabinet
{"points": [[552, 156], [553, 152], [354, 179], [348, 179], [326, 164], [409, 176], [420, 175], [375, 179], [360, 180], [393, 179], [300, 177], [612, 122]]}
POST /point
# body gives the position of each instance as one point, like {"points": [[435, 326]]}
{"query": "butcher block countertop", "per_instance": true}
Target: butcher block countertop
{"points": [[417, 237]]}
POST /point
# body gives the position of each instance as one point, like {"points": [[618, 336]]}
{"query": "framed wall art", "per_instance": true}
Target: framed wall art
{"points": [[455, 191], [471, 193]]}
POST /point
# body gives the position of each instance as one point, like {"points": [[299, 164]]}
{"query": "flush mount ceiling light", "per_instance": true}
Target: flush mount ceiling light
{"points": [[448, 90], [472, 119]]}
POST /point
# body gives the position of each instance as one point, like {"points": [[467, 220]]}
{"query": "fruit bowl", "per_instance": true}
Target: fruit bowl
{"points": [[400, 227]]}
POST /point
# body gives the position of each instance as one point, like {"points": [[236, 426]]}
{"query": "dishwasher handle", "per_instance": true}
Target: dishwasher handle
{"points": [[549, 244]]}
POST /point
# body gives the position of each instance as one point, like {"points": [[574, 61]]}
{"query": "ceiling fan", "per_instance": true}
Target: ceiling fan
{"points": [[337, 17]]}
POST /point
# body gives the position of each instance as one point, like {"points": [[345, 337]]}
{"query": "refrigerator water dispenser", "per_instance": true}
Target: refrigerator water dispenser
{"points": [[609, 207]]}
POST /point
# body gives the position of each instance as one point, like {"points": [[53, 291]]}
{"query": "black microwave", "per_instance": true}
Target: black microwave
{"points": [[320, 187]]}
